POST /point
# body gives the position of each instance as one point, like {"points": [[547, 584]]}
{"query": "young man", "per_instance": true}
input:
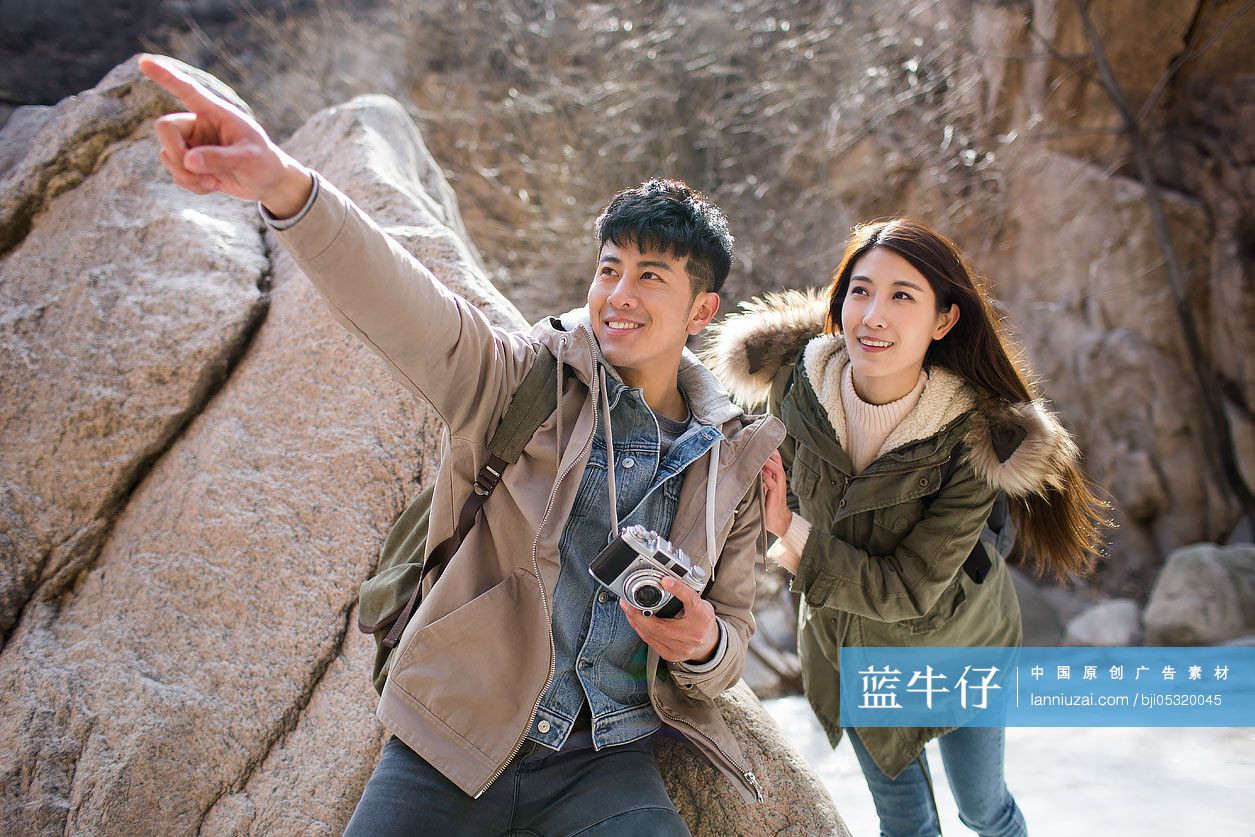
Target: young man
{"points": [[523, 696]]}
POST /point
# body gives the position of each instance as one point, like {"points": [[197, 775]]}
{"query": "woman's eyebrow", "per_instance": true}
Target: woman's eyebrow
{"points": [[895, 283]]}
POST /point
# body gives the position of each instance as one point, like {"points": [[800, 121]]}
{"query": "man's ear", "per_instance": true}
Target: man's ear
{"points": [[705, 307]]}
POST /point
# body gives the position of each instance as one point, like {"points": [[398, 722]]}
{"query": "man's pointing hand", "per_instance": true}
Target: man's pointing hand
{"points": [[214, 147]]}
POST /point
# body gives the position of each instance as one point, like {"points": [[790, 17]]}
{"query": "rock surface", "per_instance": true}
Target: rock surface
{"points": [[121, 311], [199, 671], [1115, 622], [1110, 353], [1042, 625], [797, 803], [1204, 596], [772, 667]]}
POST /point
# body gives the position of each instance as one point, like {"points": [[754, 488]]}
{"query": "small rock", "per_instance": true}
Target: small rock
{"points": [[1241, 642], [1115, 622], [1204, 596], [1241, 533]]}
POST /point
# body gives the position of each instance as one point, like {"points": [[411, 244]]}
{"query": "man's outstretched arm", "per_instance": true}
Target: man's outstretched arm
{"points": [[435, 342]]}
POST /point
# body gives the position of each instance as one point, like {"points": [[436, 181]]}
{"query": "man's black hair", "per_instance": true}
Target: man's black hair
{"points": [[671, 217]]}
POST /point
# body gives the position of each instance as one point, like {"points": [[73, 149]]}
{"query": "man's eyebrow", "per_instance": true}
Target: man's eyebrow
{"points": [[612, 259], [667, 266]]}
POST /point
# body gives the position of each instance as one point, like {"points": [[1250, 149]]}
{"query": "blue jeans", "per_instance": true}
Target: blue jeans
{"points": [[973, 757], [613, 791]]}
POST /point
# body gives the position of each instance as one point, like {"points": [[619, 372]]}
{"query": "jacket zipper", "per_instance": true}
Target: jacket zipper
{"points": [[553, 663], [747, 775]]}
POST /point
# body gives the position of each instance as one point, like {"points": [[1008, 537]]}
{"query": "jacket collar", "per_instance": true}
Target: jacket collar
{"points": [[1020, 448], [707, 399]]}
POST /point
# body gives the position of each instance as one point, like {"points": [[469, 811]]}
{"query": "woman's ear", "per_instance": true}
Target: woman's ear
{"points": [[945, 321]]}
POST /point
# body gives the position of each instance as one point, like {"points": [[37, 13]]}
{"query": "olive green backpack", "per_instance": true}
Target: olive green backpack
{"points": [[389, 597]]}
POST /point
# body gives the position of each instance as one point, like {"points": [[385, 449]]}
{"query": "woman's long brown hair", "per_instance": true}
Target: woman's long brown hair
{"points": [[1060, 527]]}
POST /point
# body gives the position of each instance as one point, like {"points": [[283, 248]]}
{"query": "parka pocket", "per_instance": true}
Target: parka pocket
{"points": [[803, 479], [952, 598], [900, 517]]}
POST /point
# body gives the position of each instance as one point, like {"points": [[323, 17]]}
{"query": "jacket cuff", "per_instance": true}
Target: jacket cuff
{"points": [[287, 223], [812, 579], [792, 543], [709, 665]]}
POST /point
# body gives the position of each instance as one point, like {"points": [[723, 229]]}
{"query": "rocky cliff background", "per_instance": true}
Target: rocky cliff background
{"points": [[987, 118], [197, 465]]}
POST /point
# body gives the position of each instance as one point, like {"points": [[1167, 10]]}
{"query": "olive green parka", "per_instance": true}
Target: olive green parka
{"points": [[883, 564]]}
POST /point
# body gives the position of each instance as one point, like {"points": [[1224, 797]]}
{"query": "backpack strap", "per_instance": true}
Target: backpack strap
{"points": [[533, 402]]}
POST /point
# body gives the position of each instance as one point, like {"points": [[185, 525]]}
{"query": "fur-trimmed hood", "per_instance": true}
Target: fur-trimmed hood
{"points": [[1020, 449]]}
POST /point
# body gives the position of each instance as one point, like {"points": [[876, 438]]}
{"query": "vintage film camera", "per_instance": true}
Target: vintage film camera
{"points": [[634, 564]]}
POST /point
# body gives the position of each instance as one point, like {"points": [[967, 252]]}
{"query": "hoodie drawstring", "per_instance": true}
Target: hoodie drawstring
{"points": [[609, 434], [710, 504], [558, 400]]}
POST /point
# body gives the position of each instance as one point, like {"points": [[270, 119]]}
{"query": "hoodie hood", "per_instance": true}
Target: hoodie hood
{"points": [[709, 402], [1018, 448]]}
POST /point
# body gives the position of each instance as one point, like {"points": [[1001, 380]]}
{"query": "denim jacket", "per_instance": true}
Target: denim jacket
{"points": [[598, 656]]}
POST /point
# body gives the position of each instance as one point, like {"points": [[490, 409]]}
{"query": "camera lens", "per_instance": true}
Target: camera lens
{"points": [[643, 590], [648, 595]]}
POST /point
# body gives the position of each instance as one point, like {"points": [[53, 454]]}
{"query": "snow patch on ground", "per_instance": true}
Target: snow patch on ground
{"points": [[1114, 782]]}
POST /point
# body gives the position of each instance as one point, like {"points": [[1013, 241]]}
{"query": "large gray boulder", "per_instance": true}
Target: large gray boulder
{"points": [[1204, 596], [200, 672], [124, 301], [797, 802]]}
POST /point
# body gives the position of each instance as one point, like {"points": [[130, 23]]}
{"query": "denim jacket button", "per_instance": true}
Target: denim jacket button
{"points": [[542, 727], [603, 597], [628, 462]]}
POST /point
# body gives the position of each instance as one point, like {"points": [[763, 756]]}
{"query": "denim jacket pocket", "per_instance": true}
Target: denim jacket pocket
{"points": [[594, 490]]}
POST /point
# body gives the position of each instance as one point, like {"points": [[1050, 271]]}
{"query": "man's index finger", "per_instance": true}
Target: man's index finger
{"points": [[180, 85]]}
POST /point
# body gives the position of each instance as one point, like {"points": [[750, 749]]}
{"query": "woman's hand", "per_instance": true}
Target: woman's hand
{"points": [[774, 483]]}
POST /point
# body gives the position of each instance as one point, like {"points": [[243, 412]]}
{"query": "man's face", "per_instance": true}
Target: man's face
{"points": [[643, 311]]}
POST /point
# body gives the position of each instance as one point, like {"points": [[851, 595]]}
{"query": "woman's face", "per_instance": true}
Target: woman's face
{"points": [[889, 319]]}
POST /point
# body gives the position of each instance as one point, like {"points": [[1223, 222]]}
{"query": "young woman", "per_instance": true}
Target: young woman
{"points": [[917, 449]]}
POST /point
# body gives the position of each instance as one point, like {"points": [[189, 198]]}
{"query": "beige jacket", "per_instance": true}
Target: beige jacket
{"points": [[477, 656]]}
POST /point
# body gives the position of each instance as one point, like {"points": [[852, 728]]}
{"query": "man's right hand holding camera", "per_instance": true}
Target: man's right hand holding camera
{"points": [[214, 147]]}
